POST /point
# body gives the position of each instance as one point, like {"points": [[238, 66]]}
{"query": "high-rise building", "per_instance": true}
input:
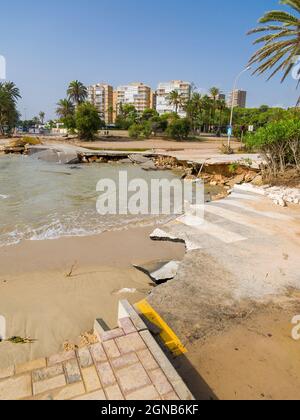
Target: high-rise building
{"points": [[221, 97], [136, 94], [163, 105], [237, 98], [101, 96]]}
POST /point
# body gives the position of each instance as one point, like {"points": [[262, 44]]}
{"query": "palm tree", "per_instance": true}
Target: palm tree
{"points": [[9, 116], [65, 108], [281, 41], [42, 117], [214, 93], [176, 99], [77, 92], [11, 89], [221, 105]]}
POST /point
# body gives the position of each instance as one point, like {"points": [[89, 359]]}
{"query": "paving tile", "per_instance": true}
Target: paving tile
{"points": [[125, 360], [93, 396], [132, 378], [91, 379], [98, 353], [61, 357], [114, 393], [47, 373], [111, 349], [130, 343], [15, 388], [49, 384], [179, 386], [106, 374], [127, 326], [148, 393], [160, 382], [84, 357], [7, 372], [69, 392], [147, 360], [66, 393], [72, 371], [27, 367], [111, 335]]}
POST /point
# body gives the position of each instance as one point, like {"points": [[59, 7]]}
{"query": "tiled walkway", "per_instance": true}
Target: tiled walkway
{"points": [[126, 365]]}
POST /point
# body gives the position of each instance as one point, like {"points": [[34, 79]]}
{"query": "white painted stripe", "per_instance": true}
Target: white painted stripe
{"points": [[229, 215], [269, 214], [221, 234], [245, 196]]}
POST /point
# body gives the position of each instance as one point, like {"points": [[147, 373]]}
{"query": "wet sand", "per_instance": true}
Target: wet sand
{"points": [[40, 301]]}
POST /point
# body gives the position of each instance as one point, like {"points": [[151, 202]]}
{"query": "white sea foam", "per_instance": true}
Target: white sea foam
{"points": [[3, 196]]}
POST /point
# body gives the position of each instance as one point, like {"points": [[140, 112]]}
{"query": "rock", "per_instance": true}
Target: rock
{"points": [[258, 181], [250, 176], [279, 202]]}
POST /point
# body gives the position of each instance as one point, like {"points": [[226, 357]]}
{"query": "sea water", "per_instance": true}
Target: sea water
{"points": [[40, 200]]}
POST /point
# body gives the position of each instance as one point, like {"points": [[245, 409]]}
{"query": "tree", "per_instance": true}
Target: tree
{"points": [[77, 92], [42, 116], [65, 108], [214, 93], [194, 110], [88, 121], [281, 41], [128, 116], [149, 114], [177, 100], [179, 129], [9, 116]]}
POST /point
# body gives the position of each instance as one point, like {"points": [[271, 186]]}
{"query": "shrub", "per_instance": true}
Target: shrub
{"points": [[140, 130], [135, 131], [87, 121], [33, 141], [279, 142], [179, 129]]}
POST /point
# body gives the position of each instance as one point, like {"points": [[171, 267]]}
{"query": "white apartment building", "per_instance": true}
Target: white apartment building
{"points": [[137, 94], [237, 98], [101, 96], [163, 105]]}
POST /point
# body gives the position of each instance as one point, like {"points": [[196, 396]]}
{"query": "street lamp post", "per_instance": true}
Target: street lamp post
{"points": [[232, 103]]}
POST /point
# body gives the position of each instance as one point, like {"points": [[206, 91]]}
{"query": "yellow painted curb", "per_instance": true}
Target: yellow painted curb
{"points": [[167, 335]]}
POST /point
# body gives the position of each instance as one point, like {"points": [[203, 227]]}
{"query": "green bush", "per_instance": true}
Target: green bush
{"points": [[87, 121], [279, 142], [135, 131], [179, 129], [32, 141], [140, 130]]}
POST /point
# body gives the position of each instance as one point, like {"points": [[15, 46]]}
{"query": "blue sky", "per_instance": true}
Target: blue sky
{"points": [[49, 43]]}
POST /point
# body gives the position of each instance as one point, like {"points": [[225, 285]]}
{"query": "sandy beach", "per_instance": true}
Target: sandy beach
{"points": [[40, 301]]}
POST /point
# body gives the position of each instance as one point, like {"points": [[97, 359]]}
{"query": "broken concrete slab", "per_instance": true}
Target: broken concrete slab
{"points": [[160, 271], [139, 159]]}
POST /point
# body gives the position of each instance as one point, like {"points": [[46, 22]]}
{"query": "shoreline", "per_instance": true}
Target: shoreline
{"points": [[42, 302]]}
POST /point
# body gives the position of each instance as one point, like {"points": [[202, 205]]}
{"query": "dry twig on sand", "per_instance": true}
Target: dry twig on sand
{"points": [[70, 274]]}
